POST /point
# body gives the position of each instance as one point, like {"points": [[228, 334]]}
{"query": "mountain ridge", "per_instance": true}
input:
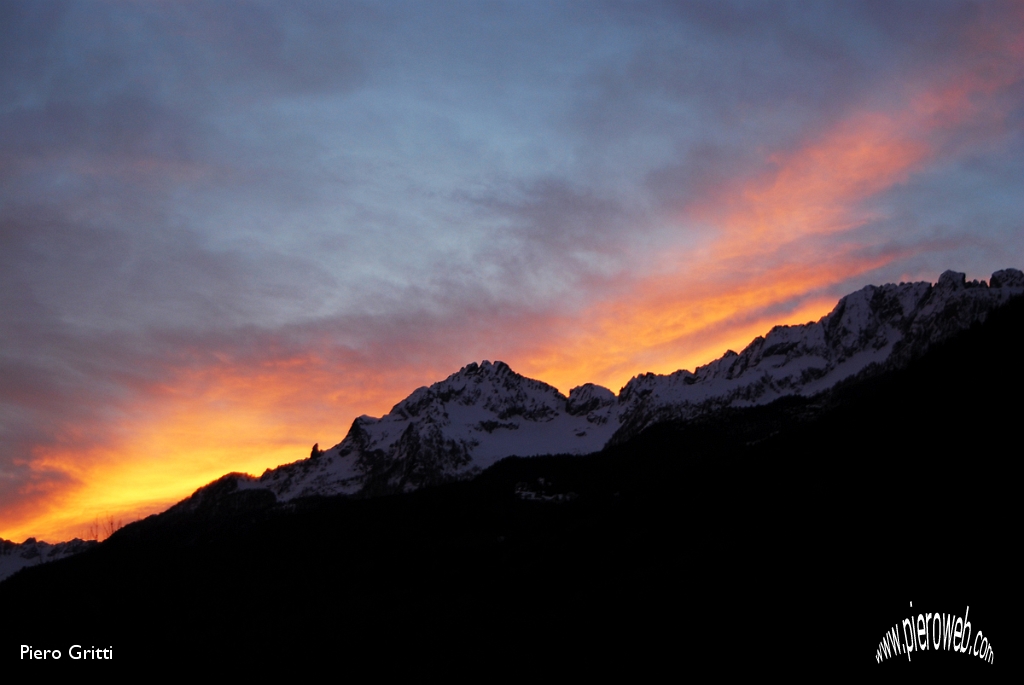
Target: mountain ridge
{"points": [[455, 428], [485, 412], [784, 508], [16, 556]]}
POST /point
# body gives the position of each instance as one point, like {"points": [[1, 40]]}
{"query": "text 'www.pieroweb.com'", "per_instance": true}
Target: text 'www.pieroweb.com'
{"points": [[934, 632]]}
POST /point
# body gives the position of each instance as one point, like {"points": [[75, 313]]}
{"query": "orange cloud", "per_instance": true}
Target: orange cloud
{"points": [[744, 281], [780, 244]]}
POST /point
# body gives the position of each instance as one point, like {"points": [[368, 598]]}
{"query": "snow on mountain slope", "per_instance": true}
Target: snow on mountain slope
{"points": [[453, 429], [882, 325], [14, 556], [486, 411]]}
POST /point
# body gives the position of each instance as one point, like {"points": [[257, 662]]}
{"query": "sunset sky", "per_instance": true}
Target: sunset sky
{"points": [[228, 229]]}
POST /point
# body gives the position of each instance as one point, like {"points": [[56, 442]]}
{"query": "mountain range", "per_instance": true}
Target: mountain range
{"points": [[485, 412], [16, 556], [780, 506]]}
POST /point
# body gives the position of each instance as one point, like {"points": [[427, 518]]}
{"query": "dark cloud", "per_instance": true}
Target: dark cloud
{"points": [[303, 48], [182, 49], [557, 218], [705, 175]]}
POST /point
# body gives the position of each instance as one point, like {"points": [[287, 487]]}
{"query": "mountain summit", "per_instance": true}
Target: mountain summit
{"points": [[485, 412]]}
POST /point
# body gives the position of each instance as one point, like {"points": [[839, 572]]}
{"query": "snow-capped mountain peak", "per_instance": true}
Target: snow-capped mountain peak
{"points": [[452, 429], [485, 412], [32, 552]]}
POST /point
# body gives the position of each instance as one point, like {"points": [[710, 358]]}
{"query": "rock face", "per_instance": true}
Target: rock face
{"points": [[486, 411]]}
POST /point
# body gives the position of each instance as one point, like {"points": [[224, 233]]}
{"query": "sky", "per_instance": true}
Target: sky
{"points": [[229, 229]]}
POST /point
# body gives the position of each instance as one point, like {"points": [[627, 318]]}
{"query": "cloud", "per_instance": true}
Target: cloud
{"points": [[226, 230]]}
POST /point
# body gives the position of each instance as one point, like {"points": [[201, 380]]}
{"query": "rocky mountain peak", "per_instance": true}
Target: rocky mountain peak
{"points": [[1007, 278], [586, 398], [486, 411]]}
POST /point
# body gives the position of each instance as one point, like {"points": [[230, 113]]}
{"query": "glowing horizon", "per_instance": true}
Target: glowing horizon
{"points": [[220, 245]]}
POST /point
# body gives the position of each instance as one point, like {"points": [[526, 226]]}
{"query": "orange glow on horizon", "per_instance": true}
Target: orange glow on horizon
{"points": [[213, 422], [780, 245]]}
